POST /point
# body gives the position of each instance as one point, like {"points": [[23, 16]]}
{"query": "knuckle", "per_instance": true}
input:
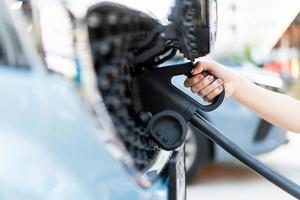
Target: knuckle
{"points": [[201, 93], [195, 80], [205, 91], [201, 85], [217, 91], [207, 81], [188, 82], [194, 89], [209, 88]]}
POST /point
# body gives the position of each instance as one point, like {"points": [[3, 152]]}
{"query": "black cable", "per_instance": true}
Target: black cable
{"points": [[215, 135]]}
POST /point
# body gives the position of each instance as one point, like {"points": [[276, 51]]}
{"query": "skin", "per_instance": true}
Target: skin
{"points": [[275, 108]]}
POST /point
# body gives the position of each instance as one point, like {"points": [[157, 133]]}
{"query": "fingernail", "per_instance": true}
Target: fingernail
{"points": [[220, 87], [192, 71], [219, 81], [210, 78]]}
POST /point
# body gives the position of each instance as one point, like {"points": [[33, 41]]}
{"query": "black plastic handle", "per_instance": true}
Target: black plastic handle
{"points": [[217, 100], [185, 69]]}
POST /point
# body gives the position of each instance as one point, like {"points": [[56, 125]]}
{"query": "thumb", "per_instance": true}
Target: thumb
{"points": [[198, 68], [212, 67]]}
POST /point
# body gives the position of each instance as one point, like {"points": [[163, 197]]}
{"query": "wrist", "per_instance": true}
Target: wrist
{"points": [[240, 88]]}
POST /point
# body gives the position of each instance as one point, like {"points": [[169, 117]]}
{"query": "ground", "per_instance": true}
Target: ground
{"points": [[237, 182]]}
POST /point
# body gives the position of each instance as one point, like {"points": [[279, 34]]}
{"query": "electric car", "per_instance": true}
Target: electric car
{"points": [[199, 150], [58, 140], [119, 48]]}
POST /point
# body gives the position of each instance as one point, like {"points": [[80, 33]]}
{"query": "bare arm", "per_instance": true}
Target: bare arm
{"points": [[276, 108]]}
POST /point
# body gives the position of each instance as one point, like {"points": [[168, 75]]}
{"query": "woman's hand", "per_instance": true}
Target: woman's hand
{"points": [[208, 87], [275, 108]]}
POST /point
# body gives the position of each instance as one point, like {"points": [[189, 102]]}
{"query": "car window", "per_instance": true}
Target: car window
{"points": [[1, 55], [11, 52]]}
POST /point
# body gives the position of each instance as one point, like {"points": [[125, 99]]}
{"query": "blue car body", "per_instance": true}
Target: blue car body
{"points": [[50, 147]]}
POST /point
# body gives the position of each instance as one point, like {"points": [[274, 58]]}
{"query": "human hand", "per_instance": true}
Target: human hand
{"points": [[208, 87]]}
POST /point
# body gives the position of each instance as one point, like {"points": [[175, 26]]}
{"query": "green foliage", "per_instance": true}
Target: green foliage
{"points": [[245, 55], [294, 91]]}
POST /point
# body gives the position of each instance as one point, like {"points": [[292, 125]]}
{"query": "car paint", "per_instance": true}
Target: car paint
{"points": [[50, 147]]}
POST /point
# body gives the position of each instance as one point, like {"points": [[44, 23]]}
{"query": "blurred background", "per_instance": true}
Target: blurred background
{"points": [[264, 33], [267, 35]]}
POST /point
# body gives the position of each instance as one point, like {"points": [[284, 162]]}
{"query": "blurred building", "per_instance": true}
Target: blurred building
{"points": [[253, 23], [285, 56]]}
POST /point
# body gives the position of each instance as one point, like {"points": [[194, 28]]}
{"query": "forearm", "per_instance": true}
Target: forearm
{"points": [[276, 108]]}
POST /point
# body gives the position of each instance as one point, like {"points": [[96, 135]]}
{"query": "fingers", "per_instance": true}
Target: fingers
{"points": [[205, 82], [199, 67], [214, 93], [196, 75], [207, 87], [210, 88], [193, 80]]}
